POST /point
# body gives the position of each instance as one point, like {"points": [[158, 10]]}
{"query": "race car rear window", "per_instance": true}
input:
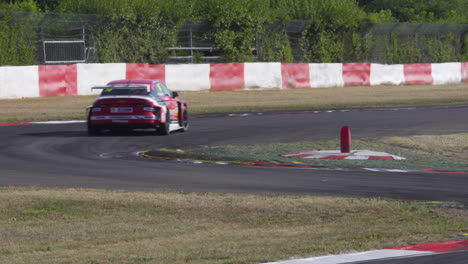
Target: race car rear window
{"points": [[120, 91]]}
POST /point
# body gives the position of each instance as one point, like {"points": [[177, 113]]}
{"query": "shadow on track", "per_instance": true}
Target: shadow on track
{"points": [[79, 134]]}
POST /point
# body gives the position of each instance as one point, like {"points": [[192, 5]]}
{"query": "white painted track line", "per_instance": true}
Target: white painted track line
{"points": [[353, 257]]}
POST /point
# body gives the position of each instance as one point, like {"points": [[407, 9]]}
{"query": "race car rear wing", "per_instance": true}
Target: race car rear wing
{"points": [[123, 86]]}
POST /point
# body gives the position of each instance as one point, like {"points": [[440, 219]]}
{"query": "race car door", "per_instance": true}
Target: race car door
{"points": [[171, 102]]}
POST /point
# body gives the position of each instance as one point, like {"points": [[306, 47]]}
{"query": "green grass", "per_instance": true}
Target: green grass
{"points": [[95, 226], [446, 152]]}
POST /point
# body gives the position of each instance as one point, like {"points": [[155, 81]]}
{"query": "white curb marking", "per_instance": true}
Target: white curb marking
{"points": [[353, 257], [336, 154]]}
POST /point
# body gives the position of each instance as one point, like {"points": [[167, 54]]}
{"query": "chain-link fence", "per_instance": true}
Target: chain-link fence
{"points": [[55, 38], [379, 43], [49, 38], [65, 38], [194, 45], [405, 43]]}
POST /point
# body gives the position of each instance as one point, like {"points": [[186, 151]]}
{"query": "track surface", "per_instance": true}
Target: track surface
{"points": [[458, 257], [63, 155]]}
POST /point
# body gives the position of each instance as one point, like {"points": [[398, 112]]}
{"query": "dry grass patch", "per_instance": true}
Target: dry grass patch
{"points": [[45, 108], [327, 98], [451, 146], [59, 108], [96, 226]]}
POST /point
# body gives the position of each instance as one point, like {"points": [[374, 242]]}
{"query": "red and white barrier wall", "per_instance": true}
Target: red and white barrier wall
{"points": [[20, 81], [77, 79]]}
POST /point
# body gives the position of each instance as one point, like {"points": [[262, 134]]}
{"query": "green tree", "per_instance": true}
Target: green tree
{"points": [[18, 5], [47, 5], [421, 11]]}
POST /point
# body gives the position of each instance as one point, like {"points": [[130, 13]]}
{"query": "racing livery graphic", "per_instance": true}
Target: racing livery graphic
{"points": [[137, 104]]}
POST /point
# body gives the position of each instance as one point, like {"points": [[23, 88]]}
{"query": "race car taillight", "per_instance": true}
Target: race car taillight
{"points": [[96, 109]]}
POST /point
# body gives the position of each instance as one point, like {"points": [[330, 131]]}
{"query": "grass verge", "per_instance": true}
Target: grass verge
{"points": [[444, 152], [73, 107], [96, 226]]}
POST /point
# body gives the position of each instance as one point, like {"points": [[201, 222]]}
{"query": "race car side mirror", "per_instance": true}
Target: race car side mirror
{"points": [[175, 94]]}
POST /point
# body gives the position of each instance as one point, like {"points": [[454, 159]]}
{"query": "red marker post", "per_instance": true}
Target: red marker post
{"points": [[345, 139]]}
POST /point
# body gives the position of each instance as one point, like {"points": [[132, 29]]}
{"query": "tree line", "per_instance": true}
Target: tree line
{"points": [[140, 30], [415, 11]]}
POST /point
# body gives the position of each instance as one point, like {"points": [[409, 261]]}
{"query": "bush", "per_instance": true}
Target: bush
{"points": [[425, 48], [333, 25], [134, 30], [234, 25], [274, 46], [17, 45]]}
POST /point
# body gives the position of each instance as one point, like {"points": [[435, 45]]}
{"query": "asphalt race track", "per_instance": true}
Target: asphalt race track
{"points": [[64, 156], [459, 257]]}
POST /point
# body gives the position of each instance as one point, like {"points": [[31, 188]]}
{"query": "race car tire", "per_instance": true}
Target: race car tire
{"points": [[92, 131], [184, 122], [164, 129]]}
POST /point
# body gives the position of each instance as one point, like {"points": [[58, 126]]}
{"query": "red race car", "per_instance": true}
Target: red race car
{"points": [[137, 104]]}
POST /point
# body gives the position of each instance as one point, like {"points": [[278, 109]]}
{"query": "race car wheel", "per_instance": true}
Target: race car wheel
{"points": [[165, 129], [184, 122], [92, 131]]}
